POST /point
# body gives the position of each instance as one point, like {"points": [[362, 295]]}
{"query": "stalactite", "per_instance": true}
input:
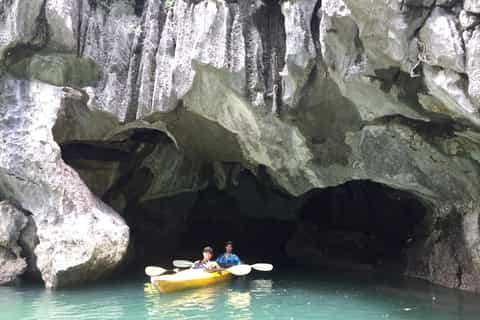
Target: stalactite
{"points": [[133, 71], [270, 23], [276, 83], [41, 34], [139, 7], [254, 77], [315, 26]]}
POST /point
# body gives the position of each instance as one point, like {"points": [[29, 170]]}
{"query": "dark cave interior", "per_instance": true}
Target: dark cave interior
{"points": [[139, 6], [360, 225]]}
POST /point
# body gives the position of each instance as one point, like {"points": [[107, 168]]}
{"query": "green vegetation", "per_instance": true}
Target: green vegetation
{"points": [[170, 4], [57, 69]]}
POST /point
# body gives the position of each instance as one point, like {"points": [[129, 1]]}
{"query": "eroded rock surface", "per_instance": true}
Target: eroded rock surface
{"points": [[303, 94], [12, 264], [80, 238]]}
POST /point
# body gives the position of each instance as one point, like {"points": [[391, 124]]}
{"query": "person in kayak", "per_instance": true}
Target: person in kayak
{"points": [[205, 263], [228, 259]]}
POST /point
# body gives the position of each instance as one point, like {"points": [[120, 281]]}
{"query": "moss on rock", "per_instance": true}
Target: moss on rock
{"points": [[57, 69]]}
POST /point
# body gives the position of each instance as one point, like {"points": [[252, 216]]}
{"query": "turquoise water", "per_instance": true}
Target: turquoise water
{"points": [[280, 295]]}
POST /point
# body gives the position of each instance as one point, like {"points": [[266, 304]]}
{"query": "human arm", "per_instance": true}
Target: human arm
{"points": [[213, 266]]}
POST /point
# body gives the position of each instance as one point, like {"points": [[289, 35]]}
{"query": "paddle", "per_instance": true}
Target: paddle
{"points": [[241, 268], [262, 267], [156, 271], [182, 263]]}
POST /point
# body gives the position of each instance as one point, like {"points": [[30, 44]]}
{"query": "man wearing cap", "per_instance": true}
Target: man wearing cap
{"points": [[228, 259]]}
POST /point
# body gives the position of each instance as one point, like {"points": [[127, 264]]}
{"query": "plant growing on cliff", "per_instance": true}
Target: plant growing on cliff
{"points": [[170, 4]]}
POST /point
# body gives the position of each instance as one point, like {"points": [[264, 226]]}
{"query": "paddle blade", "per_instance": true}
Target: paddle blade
{"points": [[182, 263], [262, 267], [154, 271], [240, 270]]}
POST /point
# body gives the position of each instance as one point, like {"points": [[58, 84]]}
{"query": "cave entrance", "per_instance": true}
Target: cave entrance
{"points": [[220, 217], [357, 225], [259, 220], [360, 225]]}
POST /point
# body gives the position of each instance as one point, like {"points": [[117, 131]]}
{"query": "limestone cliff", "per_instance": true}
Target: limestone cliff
{"points": [[308, 93]]}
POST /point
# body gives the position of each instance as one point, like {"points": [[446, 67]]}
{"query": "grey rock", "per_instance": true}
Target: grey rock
{"points": [[468, 20], [56, 69], [11, 267], [195, 34], [350, 67], [472, 6], [339, 33], [449, 90], [473, 66], [20, 24], [63, 24], [29, 241], [108, 40], [441, 41], [173, 173], [300, 49], [77, 122], [80, 238], [12, 264], [13, 222], [446, 3], [386, 29], [425, 3], [155, 20]]}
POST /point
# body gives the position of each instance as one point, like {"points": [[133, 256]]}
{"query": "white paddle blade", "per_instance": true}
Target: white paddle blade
{"points": [[154, 271], [240, 270], [262, 267], [182, 263]]}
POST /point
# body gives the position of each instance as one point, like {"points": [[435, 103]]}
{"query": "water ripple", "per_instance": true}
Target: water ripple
{"points": [[246, 299]]}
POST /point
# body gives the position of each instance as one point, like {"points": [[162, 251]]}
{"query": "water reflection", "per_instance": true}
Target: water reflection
{"points": [[36, 303], [238, 305], [232, 300], [10, 307], [431, 297], [82, 305], [180, 305], [261, 287], [299, 297], [238, 300]]}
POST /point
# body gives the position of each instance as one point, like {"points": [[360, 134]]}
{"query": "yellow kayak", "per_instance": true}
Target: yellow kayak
{"points": [[188, 279]]}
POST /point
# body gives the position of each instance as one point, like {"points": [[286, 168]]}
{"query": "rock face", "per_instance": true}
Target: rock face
{"points": [[14, 222], [80, 238], [304, 94]]}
